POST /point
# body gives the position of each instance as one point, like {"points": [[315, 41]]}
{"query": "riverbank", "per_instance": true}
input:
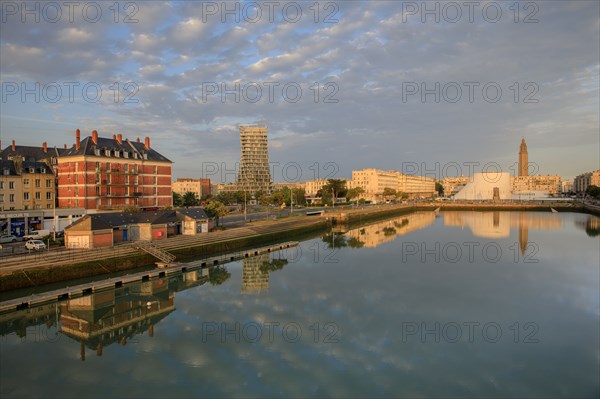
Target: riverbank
{"points": [[46, 268]]}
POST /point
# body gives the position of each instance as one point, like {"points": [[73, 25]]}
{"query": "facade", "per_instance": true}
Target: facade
{"points": [[523, 159], [374, 181], [200, 187], [106, 229], [312, 187], [26, 185], [486, 186], [255, 173], [255, 278], [546, 184], [416, 186], [583, 181], [104, 173], [567, 186], [452, 185]]}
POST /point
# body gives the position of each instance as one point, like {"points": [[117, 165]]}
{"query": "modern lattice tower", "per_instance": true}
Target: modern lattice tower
{"points": [[254, 174]]}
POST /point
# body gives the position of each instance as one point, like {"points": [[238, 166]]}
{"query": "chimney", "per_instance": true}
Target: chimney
{"points": [[95, 136], [147, 143], [65, 146], [120, 138], [45, 146], [14, 146], [77, 139], [138, 139], [114, 136]]}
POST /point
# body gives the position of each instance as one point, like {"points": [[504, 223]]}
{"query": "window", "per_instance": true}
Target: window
{"points": [[1, 185], [49, 206], [48, 195], [31, 170], [48, 183], [25, 182], [38, 207], [1, 197], [38, 195], [25, 196], [97, 191], [11, 185], [6, 171], [38, 182], [11, 198], [108, 190]]}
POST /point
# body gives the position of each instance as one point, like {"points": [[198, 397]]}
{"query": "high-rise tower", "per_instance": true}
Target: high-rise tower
{"points": [[523, 159], [255, 173]]}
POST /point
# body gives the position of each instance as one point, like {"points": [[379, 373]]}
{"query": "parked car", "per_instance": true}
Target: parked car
{"points": [[36, 235], [35, 244], [7, 238]]}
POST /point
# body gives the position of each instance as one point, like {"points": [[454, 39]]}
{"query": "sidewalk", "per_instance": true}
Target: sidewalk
{"points": [[70, 256]]}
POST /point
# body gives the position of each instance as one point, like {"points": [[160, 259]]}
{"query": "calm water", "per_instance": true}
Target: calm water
{"points": [[465, 304]]}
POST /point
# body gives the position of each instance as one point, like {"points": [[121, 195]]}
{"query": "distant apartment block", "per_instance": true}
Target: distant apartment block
{"points": [[255, 173], [547, 184], [374, 181], [26, 185], [453, 185], [567, 186], [200, 187], [105, 173], [583, 181], [312, 187]]}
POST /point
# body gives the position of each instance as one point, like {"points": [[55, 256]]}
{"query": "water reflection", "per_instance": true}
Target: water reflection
{"points": [[107, 317], [591, 225], [497, 224], [375, 234]]}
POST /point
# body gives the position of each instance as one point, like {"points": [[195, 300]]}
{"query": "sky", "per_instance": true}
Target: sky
{"points": [[437, 88]]}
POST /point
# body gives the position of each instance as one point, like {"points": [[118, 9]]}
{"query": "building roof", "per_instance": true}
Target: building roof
{"points": [[31, 153], [195, 213], [39, 167], [88, 148], [110, 220], [7, 165]]}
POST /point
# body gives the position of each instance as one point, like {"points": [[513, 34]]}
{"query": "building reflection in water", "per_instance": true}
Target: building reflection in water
{"points": [[103, 318], [255, 277], [497, 224], [373, 235], [591, 225]]}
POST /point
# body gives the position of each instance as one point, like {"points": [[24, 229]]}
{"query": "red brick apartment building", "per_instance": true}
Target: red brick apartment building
{"points": [[105, 173]]}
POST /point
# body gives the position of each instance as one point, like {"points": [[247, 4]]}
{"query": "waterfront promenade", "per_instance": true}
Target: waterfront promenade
{"points": [[58, 258]]}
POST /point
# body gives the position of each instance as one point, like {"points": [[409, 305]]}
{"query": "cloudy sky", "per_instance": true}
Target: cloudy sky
{"points": [[345, 85]]}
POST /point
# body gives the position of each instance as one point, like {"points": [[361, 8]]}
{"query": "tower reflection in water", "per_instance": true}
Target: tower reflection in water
{"points": [[497, 224], [116, 316]]}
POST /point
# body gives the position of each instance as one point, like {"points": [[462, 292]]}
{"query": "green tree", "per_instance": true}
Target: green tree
{"points": [[177, 199], [354, 193], [218, 275], [217, 208], [439, 188], [335, 186], [593, 191], [131, 209], [190, 199], [389, 193]]}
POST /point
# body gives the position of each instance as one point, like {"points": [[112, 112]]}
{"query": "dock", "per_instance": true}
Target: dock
{"points": [[80, 290]]}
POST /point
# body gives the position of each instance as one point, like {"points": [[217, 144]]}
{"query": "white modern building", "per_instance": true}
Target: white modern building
{"points": [[486, 186]]}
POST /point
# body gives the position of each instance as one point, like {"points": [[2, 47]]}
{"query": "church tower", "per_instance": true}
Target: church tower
{"points": [[523, 159]]}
